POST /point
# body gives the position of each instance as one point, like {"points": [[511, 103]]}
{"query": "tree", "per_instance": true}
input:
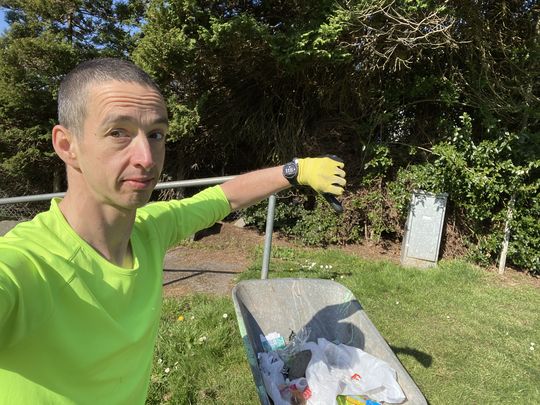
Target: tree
{"points": [[45, 40], [287, 79], [228, 91]]}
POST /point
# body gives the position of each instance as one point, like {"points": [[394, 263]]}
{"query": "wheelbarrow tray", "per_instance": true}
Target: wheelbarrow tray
{"points": [[326, 307]]}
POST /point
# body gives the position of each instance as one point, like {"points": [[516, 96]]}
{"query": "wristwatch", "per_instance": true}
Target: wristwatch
{"points": [[290, 171]]}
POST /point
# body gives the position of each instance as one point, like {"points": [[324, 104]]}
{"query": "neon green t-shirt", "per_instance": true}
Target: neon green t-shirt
{"points": [[75, 328]]}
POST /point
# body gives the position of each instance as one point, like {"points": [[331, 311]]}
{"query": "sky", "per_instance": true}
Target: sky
{"points": [[3, 24]]}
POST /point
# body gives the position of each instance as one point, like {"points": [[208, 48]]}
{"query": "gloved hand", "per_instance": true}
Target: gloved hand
{"points": [[324, 175]]}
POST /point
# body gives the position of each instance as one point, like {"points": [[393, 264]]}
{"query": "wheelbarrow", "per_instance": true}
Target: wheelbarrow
{"points": [[325, 308]]}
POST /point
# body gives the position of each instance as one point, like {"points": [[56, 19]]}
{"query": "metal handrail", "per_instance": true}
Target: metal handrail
{"points": [[176, 184], [169, 184]]}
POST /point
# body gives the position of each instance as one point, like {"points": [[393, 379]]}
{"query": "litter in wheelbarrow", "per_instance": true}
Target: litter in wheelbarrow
{"points": [[325, 308], [329, 370]]}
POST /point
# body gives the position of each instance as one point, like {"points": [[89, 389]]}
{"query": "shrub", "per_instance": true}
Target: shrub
{"points": [[481, 179]]}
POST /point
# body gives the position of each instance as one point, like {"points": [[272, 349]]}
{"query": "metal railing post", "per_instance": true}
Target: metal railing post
{"points": [[268, 236]]}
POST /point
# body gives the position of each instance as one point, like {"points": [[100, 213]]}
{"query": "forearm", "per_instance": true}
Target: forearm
{"points": [[250, 188]]}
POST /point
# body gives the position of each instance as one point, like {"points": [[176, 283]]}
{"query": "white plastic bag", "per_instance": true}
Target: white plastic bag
{"points": [[271, 366], [281, 391], [344, 370]]}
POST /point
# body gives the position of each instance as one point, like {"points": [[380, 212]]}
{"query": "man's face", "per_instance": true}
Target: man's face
{"points": [[122, 148]]}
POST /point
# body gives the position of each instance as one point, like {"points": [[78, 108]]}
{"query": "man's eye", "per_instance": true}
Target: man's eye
{"points": [[117, 133], [158, 135]]}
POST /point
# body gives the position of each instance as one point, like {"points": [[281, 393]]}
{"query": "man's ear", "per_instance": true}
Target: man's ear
{"points": [[65, 145]]}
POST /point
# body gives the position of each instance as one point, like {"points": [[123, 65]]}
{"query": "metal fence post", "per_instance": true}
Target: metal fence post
{"points": [[268, 236]]}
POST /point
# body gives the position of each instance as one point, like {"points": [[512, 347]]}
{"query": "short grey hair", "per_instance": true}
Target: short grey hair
{"points": [[72, 94]]}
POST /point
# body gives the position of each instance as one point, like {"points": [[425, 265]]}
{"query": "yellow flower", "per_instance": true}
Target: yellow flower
{"points": [[180, 318]]}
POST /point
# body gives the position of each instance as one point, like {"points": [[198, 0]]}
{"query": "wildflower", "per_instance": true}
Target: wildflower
{"points": [[160, 361], [341, 276], [202, 339], [192, 317], [225, 316], [180, 318], [167, 370]]}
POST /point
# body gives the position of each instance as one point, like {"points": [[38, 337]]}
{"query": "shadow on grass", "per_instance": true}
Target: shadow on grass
{"points": [[194, 273], [423, 358]]}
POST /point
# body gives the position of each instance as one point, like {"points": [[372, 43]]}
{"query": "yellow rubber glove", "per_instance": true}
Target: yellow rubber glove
{"points": [[324, 175]]}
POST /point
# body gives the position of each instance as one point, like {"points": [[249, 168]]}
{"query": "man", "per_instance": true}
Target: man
{"points": [[80, 284]]}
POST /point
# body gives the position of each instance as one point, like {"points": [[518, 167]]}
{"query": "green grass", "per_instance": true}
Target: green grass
{"points": [[200, 359], [462, 334]]}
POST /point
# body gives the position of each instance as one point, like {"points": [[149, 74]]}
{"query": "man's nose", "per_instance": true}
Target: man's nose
{"points": [[143, 155]]}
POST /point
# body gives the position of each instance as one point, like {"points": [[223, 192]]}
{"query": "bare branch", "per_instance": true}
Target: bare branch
{"points": [[388, 39]]}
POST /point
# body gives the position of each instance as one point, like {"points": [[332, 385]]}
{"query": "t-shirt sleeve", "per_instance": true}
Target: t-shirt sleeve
{"points": [[178, 219]]}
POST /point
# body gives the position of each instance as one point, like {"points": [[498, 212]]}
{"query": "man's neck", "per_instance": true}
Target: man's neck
{"points": [[104, 227]]}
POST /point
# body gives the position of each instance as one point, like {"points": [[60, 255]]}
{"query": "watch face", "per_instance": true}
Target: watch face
{"points": [[289, 170]]}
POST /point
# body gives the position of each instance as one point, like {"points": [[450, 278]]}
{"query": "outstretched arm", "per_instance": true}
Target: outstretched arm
{"points": [[324, 175], [250, 188]]}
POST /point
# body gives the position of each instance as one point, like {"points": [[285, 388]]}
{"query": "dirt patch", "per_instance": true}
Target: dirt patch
{"points": [[6, 226], [513, 277], [211, 261], [389, 251]]}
